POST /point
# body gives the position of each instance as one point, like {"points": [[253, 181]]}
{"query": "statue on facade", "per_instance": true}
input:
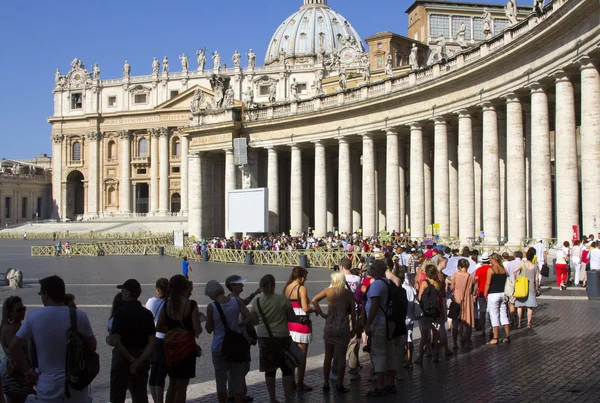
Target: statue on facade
{"points": [[413, 59], [342, 81], [184, 63], [201, 58], [16, 169], [251, 59], [236, 58], [320, 54], [538, 7], [273, 92], [96, 72], [366, 68], [126, 69], [57, 76], [282, 56], [249, 97], [488, 24], [388, 65], [165, 65], [294, 89], [460, 35], [216, 61], [441, 48], [76, 64], [217, 84], [318, 84], [229, 97], [196, 103], [155, 66], [511, 12]]}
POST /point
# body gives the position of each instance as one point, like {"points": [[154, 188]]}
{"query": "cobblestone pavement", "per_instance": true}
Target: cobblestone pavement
{"points": [[556, 361]]}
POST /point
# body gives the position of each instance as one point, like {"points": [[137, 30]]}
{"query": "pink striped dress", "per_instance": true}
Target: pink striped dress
{"points": [[300, 333]]}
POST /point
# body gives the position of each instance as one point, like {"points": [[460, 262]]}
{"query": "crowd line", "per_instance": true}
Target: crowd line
{"points": [[449, 294]]}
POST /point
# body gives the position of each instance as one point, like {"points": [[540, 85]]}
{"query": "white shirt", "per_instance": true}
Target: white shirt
{"points": [[48, 328], [595, 259], [411, 294], [539, 252], [154, 305], [353, 281]]}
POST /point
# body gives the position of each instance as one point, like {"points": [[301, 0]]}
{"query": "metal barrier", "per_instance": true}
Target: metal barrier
{"points": [[97, 249], [87, 235]]}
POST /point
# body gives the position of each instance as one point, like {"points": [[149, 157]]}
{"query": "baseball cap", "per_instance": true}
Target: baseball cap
{"points": [[413, 250], [235, 279], [131, 285]]}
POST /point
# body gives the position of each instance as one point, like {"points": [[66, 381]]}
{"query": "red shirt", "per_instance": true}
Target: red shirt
{"points": [[481, 275], [428, 253]]}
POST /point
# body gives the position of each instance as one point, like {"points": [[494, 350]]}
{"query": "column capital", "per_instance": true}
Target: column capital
{"points": [[439, 120], [511, 97], [163, 131], [228, 150], [342, 139], [294, 147], [559, 76], [194, 155], [366, 135], [415, 126], [318, 143], [58, 138], [391, 132], [535, 87], [124, 134], [486, 105], [154, 132], [463, 114], [94, 136], [585, 62]]}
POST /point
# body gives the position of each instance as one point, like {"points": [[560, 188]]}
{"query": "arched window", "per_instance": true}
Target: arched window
{"points": [[143, 147], [76, 151], [111, 196], [176, 147], [112, 150]]}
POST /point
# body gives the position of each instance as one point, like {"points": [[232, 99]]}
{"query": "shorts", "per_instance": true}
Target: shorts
{"points": [[158, 366], [409, 335], [383, 351]]}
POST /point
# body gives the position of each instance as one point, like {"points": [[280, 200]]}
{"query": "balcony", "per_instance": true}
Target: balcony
{"points": [[140, 161]]}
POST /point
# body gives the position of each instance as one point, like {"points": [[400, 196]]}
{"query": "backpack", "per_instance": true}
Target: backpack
{"points": [[395, 310], [429, 302], [82, 364]]}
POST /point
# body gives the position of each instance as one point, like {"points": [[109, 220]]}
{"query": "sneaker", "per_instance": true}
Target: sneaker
{"points": [[333, 376], [391, 389], [372, 378], [376, 393], [355, 376]]}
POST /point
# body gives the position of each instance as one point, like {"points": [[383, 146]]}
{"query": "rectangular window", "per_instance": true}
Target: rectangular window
{"points": [[264, 90], [7, 207], [457, 21], [175, 170], [24, 207], [174, 94], [499, 25], [76, 101], [112, 102], [141, 171], [439, 25], [478, 29], [140, 99], [302, 89]]}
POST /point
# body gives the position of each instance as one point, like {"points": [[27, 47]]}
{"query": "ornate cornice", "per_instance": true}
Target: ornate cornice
{"points": [[95, 136]]}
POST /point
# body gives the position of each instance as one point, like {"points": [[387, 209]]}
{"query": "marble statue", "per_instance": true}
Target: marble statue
{"points": [[511, 12], [218, 86], [96, 72], [460, 35], [366, 68], [57, 76], [272, 92], [388, 66], [229, 97], [184, 63], [126, 69], [440, 48], [320, 55], [282, 56], [216, 61], [294, 89], [318, 85], [201, 57], [538, 7], [343, 83], [251, 59], [236, 58], [165, 66], [249, 97], [196, 103], [155, 66], [76, 64], [16, 169], [488, 24], [413, 59]]}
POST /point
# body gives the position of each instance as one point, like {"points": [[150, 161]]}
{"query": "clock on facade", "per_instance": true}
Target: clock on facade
{"points": [[347, 55]]}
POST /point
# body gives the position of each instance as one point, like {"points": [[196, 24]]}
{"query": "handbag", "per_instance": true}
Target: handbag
{"points": [[455, 308], [235, 346], [521, 285], [292, 356], [545, 271], [509, 288]]}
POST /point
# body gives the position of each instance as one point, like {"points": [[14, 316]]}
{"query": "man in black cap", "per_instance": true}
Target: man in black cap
{"points": [[133, 335]]}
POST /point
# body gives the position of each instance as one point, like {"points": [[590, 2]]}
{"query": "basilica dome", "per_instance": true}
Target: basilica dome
{"points": [[312, 28]]}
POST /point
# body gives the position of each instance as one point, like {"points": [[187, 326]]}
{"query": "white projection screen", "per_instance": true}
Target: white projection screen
{"points": [[248, 210]]}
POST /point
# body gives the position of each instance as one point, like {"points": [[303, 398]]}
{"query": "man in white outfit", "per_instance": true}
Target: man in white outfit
{"points": [[540, 252]]}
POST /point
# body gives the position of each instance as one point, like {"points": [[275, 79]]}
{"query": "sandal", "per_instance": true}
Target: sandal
{"points": [[376, 393], [326, 387], [302, 387], [342, 389], [492, 342], [506, 340]]}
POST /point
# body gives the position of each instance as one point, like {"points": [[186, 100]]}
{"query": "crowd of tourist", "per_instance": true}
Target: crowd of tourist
{"points": [[449, 294]]}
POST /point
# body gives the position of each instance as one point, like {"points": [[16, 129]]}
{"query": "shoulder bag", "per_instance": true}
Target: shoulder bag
{"points": [[293, 356], [521, 284], [455, 307], [235, 347]]}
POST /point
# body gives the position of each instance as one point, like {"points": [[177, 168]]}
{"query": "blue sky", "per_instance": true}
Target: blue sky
{"points": [[40, 36]]}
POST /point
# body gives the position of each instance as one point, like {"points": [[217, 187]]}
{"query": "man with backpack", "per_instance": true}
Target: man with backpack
{"points": [[49, 328]]}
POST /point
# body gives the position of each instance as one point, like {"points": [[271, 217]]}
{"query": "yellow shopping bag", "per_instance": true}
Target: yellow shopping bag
{"points": [[521, 285]]}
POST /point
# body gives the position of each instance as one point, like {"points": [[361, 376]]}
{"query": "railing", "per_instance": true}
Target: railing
{"points": [[376, 90], [282, 110], [497, 43], [97, 249], [329, 102], [115, 236], [521, 30], [401, 82], [306, 107], [474, 55], [353, 96]]}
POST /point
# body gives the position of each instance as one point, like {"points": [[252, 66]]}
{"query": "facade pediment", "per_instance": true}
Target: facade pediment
{"points": [[183, 100]]}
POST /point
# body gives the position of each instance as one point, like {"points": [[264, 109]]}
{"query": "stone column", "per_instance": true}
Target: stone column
{"points": [[427, 179], [93, 174], [296, 208], [154, 134], [184, 173], [230, 185], [590, 143], [453, 181], [164, 171], [515, 170], [125, 185], [344, 187], [490, 175], [402, 185], [320, 190], [369, 209], [541, 179], [417, 179], [441, 200], [57, 164], [356, 171], [195, 195], [466, 189], [565, 145], [392, 183]]}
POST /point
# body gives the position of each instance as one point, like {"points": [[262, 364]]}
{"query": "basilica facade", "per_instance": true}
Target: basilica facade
{"points": [[484, 120]]}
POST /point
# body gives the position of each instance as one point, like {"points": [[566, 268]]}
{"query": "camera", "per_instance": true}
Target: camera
{"points": [[336, 268]]}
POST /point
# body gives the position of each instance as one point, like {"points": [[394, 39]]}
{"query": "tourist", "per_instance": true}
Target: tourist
{"points": [[133, 336], [272, 314], [59, 249], [70, 301], [339, 320], [223, 315], [13, 382], [531, 272], [411, 295], [462, 292], [116, 305], [48, 326], [482, 302], [561, 269], [594, 256], [158, 364], [445, 282], [180, 321], [185, 268], [301, 332], [430, 322], [510, 272], [383, 352], [541, 256], [361, 298], [494, 290], [576, 261], [67, 249]]}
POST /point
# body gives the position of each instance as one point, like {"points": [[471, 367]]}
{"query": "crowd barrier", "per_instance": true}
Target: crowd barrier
{"points": [[86, 235]]}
